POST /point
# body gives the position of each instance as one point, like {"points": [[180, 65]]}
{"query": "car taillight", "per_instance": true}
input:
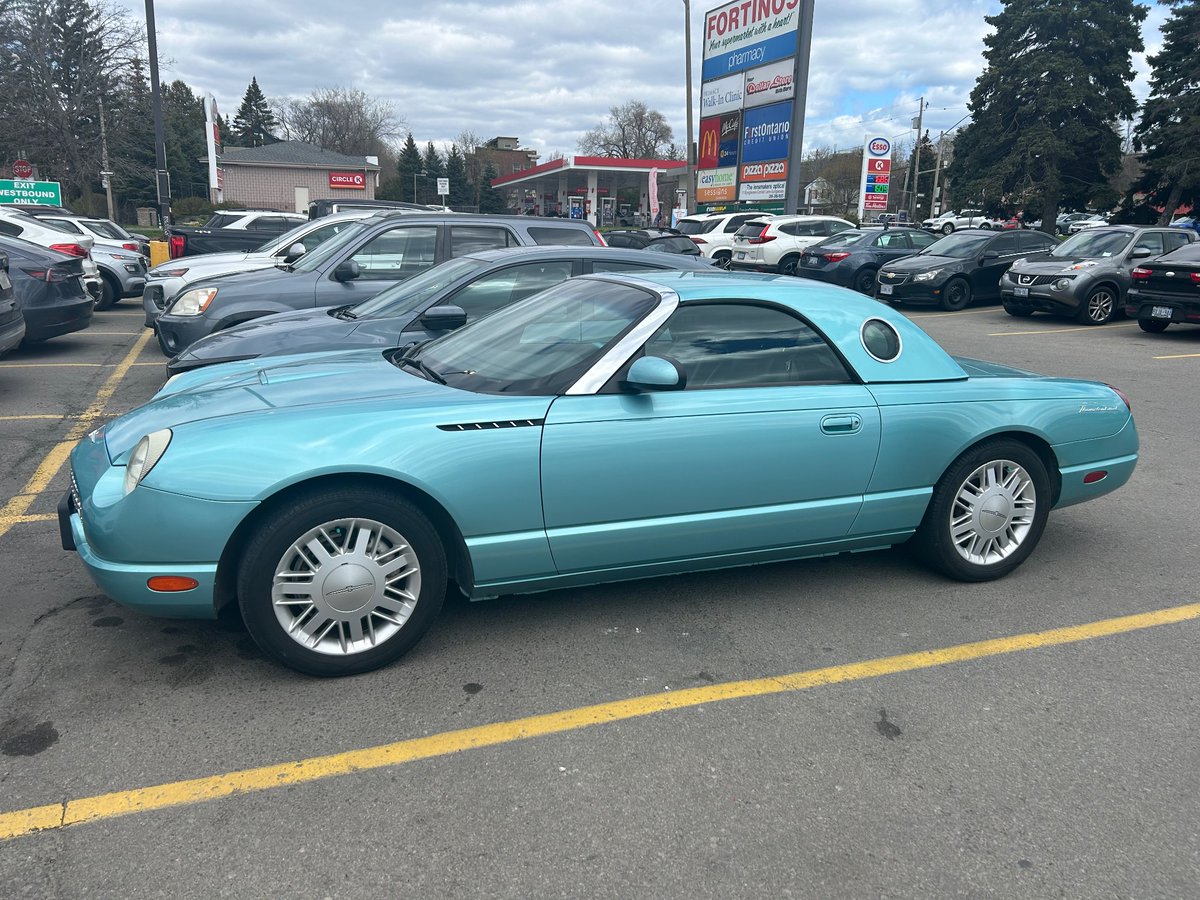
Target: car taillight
{"points": [[175, 245], [1196, 278], [71, 250], [835, 257], [698, 240], [130, 245], [763, 237], [1140, 274], [599, 238], [50, 275], [1120, 393]]}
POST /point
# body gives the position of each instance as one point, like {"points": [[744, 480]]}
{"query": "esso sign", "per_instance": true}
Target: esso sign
{"points": [[22, 169], [880, 147], [352, 180]]}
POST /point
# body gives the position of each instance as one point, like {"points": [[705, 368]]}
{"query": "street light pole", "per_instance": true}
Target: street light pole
{"points": [[687, 51], [162, 178]]}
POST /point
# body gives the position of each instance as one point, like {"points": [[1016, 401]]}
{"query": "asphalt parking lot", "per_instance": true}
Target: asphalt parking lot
{"points": [[842, 727]]}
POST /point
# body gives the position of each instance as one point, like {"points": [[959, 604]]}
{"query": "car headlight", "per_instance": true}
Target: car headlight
{"points": [[1062, 284], [193, 303], [146, 453], [927, 276], [168, 273]]}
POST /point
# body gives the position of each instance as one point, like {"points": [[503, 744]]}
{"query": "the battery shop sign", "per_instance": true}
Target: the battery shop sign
{"points": [[747, 33], [354, 181]]}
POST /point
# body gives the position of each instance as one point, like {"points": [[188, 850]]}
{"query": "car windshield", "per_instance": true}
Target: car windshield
{"points": [[960, 246], [310, 261], [540, 345], [751, 229], [314, 237], [841, 239], [104, 229], [674, 245], [694, 226], [1093, 245], [409, 295]]}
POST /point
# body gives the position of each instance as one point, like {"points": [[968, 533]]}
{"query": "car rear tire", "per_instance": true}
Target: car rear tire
{"points": [[110, 293], [1152, 326], [955, 295], [788, 265], [948, 228], [341, 581], [723, 260], [987, 512], [1099, 307], [864, 281], [1021, 312]]}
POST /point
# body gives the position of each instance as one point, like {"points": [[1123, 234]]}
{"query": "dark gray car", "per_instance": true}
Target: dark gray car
{"points": [[48, 287], [1088, 275], [430, 304], [364, 259], [12, 323]]}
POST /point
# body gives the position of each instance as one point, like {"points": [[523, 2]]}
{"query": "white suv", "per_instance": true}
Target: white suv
{"points": [[713, 233], [950, 221], [774, 245]]}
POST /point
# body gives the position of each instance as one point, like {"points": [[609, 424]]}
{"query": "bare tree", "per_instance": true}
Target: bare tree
{"points": [[476, 158], [632, 131], [341, 119]]}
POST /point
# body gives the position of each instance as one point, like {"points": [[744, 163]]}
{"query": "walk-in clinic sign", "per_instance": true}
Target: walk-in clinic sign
{"points": [[876, 175]]}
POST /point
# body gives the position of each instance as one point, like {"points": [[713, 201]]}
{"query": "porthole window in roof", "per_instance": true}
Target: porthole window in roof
{"points": [[881, 340]]}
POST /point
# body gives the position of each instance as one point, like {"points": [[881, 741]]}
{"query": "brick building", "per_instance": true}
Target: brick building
{"points": [[287, 175], [507, 155]]}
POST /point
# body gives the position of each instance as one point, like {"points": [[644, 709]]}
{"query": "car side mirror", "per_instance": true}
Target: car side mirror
{"points": [[1140, 253], [294, 252], [656, 373], [989, 256], [443, 318], [347, 270]]}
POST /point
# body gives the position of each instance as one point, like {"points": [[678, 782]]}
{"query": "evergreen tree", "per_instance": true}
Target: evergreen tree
{"points": [[456, 170], [923, 189], [1169, 130], [490, 199], [434, 168], [184, 128], [1044, 109], [131, 139], [254, 124], [407, 166]]}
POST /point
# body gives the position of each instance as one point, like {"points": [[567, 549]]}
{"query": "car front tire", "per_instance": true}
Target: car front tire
{"points": [[987, 512], [788, 265], [955, 295], [948, 228], [341, 581], [1099, 307], [110, 293], [864, 281], [723, 260]]}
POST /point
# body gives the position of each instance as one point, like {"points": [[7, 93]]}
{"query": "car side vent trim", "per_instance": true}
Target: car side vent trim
{"points": [[487, 426]]}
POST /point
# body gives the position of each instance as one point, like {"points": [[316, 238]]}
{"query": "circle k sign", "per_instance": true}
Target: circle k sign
{"points": [[879, 146], [352, 180]]}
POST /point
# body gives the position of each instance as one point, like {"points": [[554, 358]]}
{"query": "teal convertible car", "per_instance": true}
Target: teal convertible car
{"points": [[611, 427]]}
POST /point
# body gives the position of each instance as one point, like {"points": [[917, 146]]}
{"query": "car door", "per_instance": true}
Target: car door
{"points": [[1152, 241], [770, 445], [994, 259], [497, 290], [388, 256]]}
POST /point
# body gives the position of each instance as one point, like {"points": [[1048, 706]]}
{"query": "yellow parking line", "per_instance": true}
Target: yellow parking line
{"points": [[27, 418], [16, 508], [7, 522], [961, 312], [1179, 356], [76, 365], [199, 790], [1108, 327]]}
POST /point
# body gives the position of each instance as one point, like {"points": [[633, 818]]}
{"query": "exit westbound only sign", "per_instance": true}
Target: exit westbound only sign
{"points": [[44, 192]]}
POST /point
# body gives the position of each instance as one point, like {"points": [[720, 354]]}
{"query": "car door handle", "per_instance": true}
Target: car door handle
{"points": [[847, 424]]}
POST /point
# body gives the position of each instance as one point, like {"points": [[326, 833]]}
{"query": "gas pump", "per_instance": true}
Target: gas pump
{"points": [[575, 207], [608, 211]]}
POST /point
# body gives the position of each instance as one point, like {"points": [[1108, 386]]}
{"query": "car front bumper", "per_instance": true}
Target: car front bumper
{"points": [[921, 293], [1042, 297], [176, 333]]}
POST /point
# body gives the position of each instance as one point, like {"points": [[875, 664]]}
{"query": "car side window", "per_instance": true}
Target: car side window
{"points": [[620, 265], [736, 222], [1174, 241], [921, 239], [836, 227], [10, 228], [550, 234], [398, 253], [1152, 241], [727, 346], [471, 238], [891, 239], [617, 240], [1004, 244], [803, 229], [499, 289], [67, 225], [1035, 240]]}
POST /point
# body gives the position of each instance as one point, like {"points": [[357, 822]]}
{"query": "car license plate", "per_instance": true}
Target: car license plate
{"points": [[741, 254], [808, 260], [1161, 312], [885, 289], [1020, 292]]}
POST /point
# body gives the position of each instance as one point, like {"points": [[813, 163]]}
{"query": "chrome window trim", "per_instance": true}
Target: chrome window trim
{"points": [[604, 368], [862, 337]]}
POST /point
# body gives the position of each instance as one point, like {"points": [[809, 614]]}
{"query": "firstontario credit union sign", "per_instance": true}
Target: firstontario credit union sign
{"points": [[46, 193]]}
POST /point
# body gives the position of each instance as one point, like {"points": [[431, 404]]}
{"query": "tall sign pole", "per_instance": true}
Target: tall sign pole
{"points": [[106, 174], [876, 176], [687, 69], [795, 190], [162, 177]]}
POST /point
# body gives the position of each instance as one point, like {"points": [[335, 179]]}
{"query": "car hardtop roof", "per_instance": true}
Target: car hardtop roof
{"points": [[477, 217], [555, 251], [806, 217]]}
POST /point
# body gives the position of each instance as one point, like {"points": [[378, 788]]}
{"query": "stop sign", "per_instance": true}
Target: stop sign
{"points": [[22, 169]]}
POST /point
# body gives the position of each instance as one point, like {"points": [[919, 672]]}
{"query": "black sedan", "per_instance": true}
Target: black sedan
{"points": [[427, 305], [852, 258], [959, 267], [1166, 291], [49, 289], [12, 323]]}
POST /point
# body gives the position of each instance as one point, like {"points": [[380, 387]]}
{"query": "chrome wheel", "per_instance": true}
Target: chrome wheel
{"points": [[993, 512], [346, 586], [1099, 307], [724, 261]]}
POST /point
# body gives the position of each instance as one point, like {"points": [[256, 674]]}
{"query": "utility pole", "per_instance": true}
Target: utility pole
{"points": [[687, 70], [912, 198], [106, 174], [937, 171], [162, 177]]}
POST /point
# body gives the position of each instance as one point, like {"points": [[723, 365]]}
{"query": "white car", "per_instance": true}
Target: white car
{"points": [[168, 279], [775, 244], [1093, 221], [951, 221], [713, 233], [245, 219], [104, 231], [18, 224]]}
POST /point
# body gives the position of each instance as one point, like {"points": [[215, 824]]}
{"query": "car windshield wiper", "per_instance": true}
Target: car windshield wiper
{"points": [[413, 363], [343, 312]]}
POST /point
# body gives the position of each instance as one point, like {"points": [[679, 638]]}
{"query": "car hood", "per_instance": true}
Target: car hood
{"points": [[911, 264], [302, 331], [214, 262], [1066, 265], [289, 382], [266, 279]]}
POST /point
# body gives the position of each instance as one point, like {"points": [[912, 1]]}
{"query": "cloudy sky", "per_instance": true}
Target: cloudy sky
{"points": [[547, 71]]}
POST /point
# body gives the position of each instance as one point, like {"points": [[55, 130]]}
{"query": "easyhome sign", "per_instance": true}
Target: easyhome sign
{"points": [[47, 193]]}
